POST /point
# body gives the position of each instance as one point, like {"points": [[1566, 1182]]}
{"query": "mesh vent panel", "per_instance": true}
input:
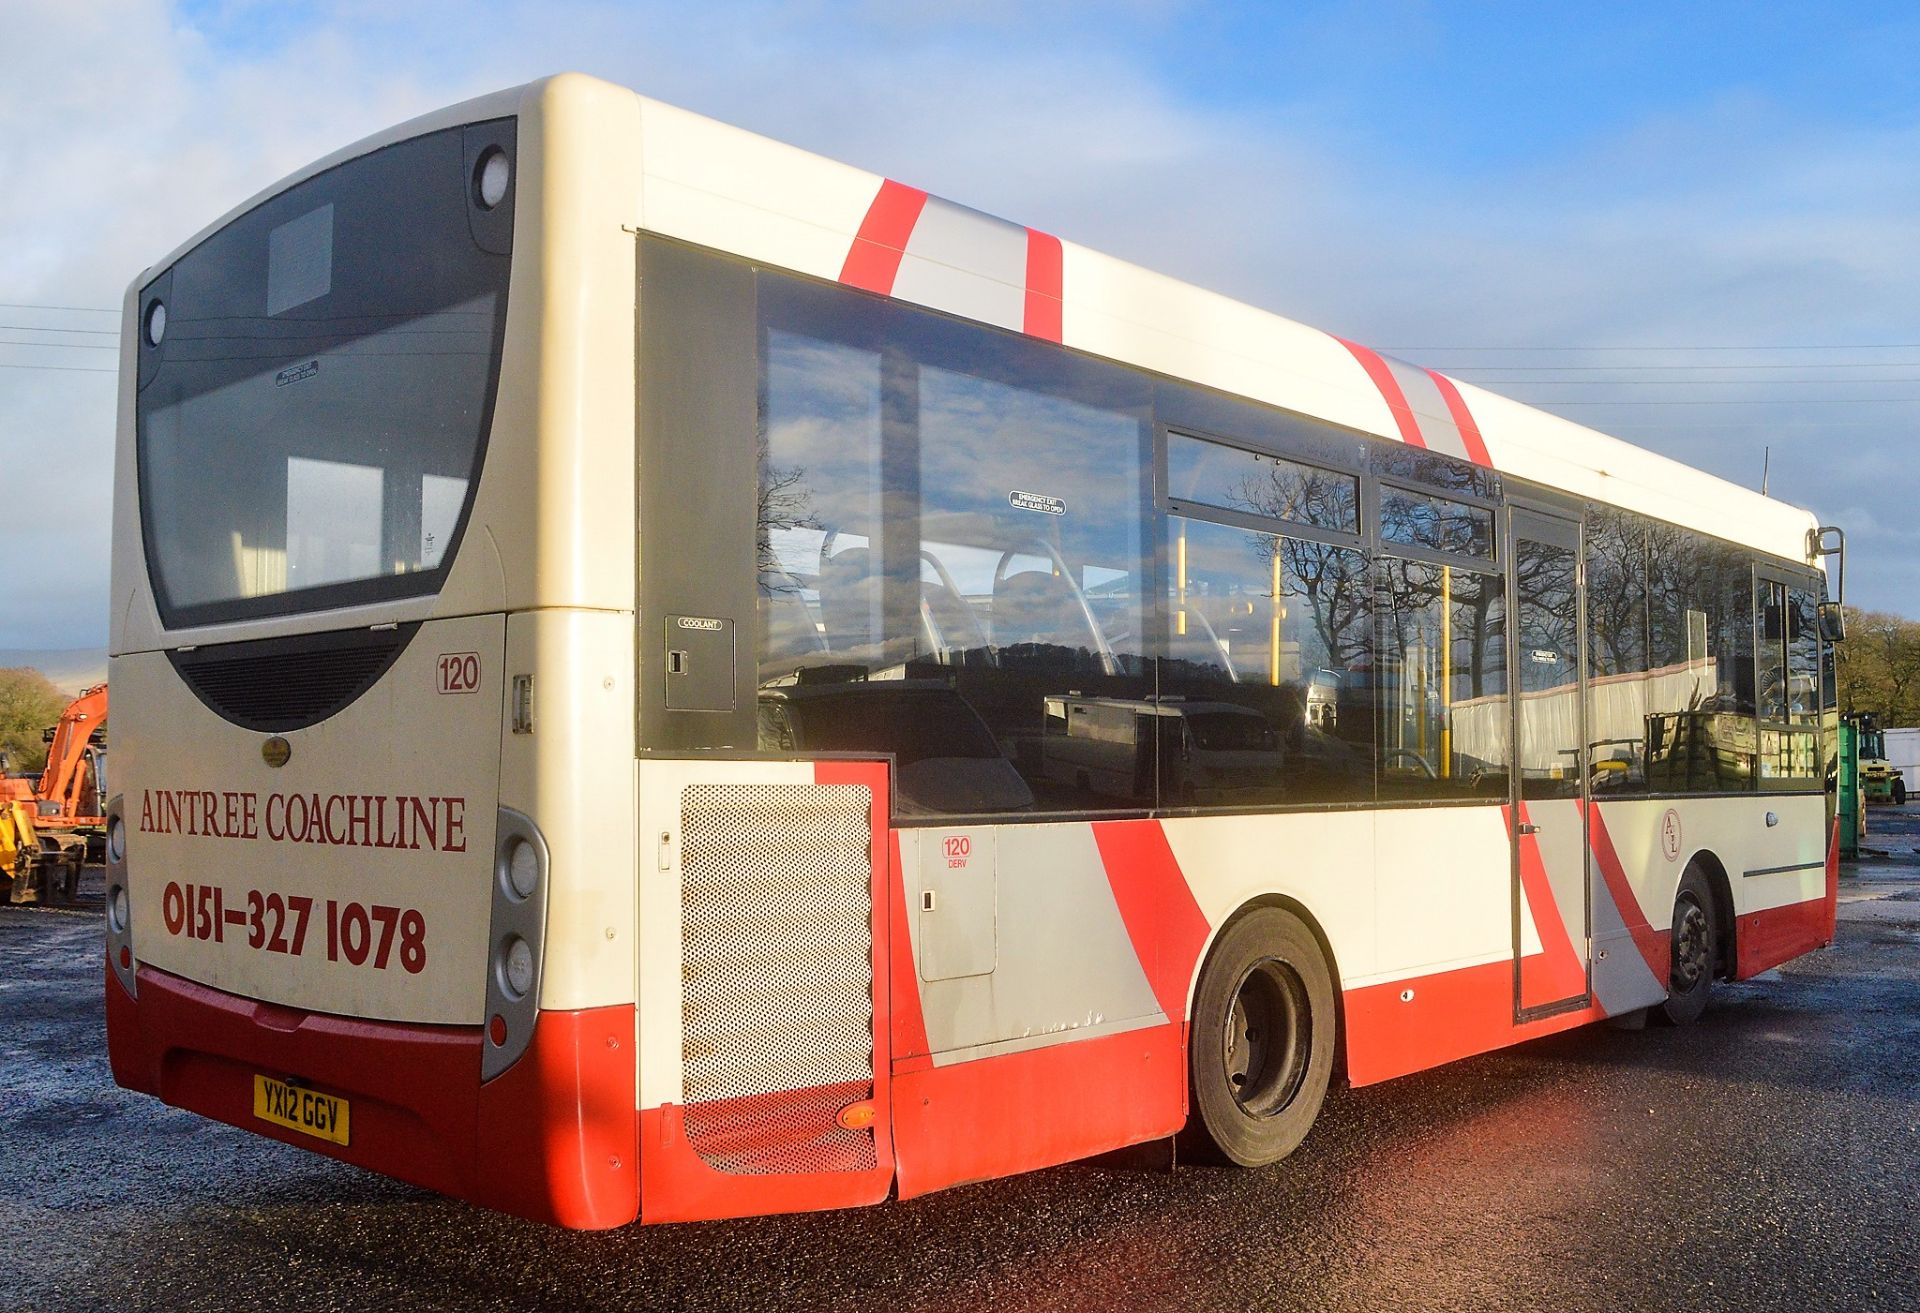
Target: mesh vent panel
{"points": [[777, 976]]}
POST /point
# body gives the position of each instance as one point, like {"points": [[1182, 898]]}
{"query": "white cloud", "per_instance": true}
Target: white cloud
{"points": [[127, 128]]}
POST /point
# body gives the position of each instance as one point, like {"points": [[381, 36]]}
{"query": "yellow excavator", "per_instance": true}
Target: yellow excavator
{"points": [[19, 851], [48, 821]]}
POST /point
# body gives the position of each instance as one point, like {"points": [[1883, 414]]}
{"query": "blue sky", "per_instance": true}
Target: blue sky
{"points": [[1684, 224]]}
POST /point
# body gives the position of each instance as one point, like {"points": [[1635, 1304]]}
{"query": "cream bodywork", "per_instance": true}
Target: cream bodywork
{"points": [[547, 569], [166, 740]]}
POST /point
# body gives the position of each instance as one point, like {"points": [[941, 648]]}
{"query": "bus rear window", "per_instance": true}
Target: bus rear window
{"points": [[313, 415]]}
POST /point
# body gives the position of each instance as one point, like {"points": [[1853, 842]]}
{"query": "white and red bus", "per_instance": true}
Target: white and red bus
{"points": [[659, 676]]}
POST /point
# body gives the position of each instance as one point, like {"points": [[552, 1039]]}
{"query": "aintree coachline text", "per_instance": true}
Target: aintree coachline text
{"points": [[345, 820]]}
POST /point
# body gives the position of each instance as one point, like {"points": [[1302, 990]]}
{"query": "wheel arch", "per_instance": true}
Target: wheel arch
{"points": [[1294, 907], [1726, 931]]}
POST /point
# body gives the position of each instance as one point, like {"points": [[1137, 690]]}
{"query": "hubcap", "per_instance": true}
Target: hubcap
{"points": [[1692, 944], [1269, 1037]]}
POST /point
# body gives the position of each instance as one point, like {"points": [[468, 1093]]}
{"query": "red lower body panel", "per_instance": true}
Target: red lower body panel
{"points": [[1779, 934], [997, 1116], [774, 1161], [1451, 1014], [553, 1138]]}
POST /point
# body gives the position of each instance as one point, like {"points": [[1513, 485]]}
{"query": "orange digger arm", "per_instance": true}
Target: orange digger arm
{"points": [[65, 777]]}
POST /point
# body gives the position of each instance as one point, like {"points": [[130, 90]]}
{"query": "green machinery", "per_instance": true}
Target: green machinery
{"points": [[1852, 806]]}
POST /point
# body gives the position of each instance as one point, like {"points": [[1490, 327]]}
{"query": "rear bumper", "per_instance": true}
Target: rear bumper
{"points": [[554, 1138]]}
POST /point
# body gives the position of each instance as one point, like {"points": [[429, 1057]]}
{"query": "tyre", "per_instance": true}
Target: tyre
{"points": [[1692, 953], [1260, 1053], [1899, 793]]}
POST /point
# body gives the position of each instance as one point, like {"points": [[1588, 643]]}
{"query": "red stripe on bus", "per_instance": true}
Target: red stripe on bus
{"points": [[873, 262], [1462, 419], [1390, 391], [973, 1121], [909, 1021], [1045, 277], [1651, 943], [1164, 922], [1555, 973], [1404, 1026]]}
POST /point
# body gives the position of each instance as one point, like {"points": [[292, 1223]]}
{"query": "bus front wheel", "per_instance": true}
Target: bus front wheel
{"points": [[1692, 953], [1260, 1052]]}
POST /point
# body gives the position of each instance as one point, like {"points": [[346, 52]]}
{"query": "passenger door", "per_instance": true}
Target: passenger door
{"points": [[1548, 817]]}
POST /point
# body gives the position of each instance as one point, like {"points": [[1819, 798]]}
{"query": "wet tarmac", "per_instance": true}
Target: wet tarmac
{"points": [[1766, 1158]]}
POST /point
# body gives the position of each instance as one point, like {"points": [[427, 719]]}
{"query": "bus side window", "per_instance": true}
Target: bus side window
{"points": [[1266, 634], [1442, 682], [1619, 676], [1700, 734]]}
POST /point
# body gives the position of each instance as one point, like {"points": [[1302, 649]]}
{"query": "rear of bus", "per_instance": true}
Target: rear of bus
{"points": [[371, 831]]}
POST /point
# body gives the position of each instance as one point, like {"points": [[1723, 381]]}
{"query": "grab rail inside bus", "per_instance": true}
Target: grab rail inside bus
{"points": [[1109, 663]]}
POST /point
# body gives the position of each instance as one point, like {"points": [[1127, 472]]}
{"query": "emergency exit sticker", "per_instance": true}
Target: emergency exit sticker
{"points": [[1037, 501]]}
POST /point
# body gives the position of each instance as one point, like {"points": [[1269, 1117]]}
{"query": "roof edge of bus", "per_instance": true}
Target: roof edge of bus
{"points": [[1656, 479], [1640, 468], [503, 103]]}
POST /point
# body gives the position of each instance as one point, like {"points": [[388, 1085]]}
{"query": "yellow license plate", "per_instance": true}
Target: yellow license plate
{"points": [[323, 1116]]}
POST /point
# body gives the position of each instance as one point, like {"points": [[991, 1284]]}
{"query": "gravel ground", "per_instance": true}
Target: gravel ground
{"points": [[1763, 1159]]}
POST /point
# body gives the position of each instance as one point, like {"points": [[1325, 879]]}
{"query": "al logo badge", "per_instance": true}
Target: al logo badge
{"points": [[1670, 835]]}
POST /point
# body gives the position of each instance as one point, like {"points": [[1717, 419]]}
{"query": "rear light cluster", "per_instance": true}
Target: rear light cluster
{"points": [[516, 935], [120, 957]]}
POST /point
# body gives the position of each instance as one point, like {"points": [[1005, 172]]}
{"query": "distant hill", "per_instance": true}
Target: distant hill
{"points": [[70, 669]]}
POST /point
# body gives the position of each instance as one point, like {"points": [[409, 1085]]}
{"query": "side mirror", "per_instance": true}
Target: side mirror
{"points": [[1833, 622]]}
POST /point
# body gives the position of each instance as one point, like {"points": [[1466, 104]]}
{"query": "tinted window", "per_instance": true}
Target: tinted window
{"points": [[1397, 460], [1415, 519], [1803, 656], [1700, 730], [1442, 682], [946, 505], [1770, 658], [310, 426], [1269, 663], [1546, 609], [1618, 672], [1213, 474], [1790, 646]]}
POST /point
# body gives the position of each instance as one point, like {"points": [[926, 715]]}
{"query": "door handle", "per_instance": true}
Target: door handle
{"points": [[1525, 827]]}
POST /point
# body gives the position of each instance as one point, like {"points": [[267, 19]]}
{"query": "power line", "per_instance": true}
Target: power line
{"points": [[1621, 369], [1728, 401], [49, 328], [77, 309], [1809, 346], [64, 369], [1630, 382]]}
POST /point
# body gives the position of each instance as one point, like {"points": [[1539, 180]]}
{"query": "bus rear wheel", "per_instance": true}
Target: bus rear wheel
{"points": [[1260, 1052], [1692, 953]]}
